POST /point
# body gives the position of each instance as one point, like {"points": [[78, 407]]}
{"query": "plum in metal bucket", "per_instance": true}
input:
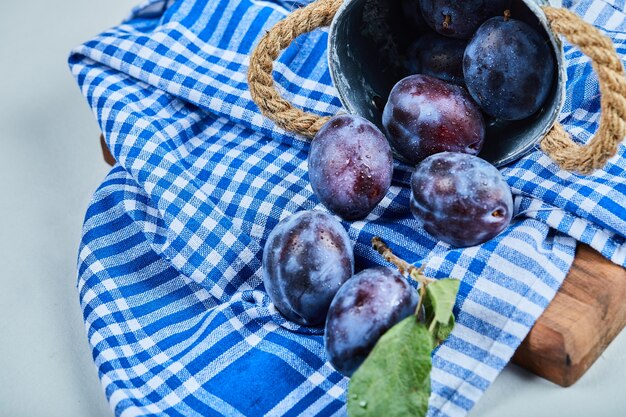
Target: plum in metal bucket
{"points": [[366, 39], [364, 78]]}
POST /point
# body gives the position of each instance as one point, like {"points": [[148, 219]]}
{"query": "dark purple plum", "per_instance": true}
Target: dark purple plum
{"points": [[460, 199], [424, 116], [508, 69], [350, 166], [306, 259], [460, 19], [439, 57], [368, 304]]}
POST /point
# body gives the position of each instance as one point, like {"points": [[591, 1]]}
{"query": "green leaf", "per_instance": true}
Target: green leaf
{"points": [[438, 304], [394, 380], [440, 299], [442, 331]]}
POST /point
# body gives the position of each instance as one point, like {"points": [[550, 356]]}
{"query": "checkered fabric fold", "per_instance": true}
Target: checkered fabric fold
{"points": [[169, 263]]}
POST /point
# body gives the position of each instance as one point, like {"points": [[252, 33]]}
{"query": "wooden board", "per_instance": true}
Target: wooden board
{"points": [[585, 316], [106, 154]]}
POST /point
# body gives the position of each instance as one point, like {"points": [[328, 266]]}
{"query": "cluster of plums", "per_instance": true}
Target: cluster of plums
{"points": [[308, 267], [458, 198], [475, 63], [484, 61]]}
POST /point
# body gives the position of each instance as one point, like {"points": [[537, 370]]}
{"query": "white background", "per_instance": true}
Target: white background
{"points": [[50, 164]]}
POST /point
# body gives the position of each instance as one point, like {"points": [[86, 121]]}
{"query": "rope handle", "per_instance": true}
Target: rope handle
{"points": [[558, 144], [315, 15]]}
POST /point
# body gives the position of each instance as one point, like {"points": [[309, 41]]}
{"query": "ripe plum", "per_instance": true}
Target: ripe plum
{"points": [[306, 259], [424, 116], [439, 57], [365, 307], [350, 166], [460, 199], [460, 19], [508, 68]]}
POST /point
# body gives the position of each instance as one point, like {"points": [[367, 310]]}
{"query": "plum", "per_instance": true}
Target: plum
{"points": [[350, 166], [306, 259], [508, 69], [460, 199], [425, 115], [366, 306], [460, 19], [439, 57]]}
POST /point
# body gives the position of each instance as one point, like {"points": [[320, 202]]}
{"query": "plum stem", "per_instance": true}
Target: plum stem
{"points": [[507, 15], [431, 328], [447, 19], [403, 266], [418, 309], [405, 269]]}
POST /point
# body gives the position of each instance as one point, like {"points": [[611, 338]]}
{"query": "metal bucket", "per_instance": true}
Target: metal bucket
{"points": [[362, 30]]}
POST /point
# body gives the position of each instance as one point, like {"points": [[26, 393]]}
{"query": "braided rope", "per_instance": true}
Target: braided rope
{"points": [[272, 105], [557, 143]]}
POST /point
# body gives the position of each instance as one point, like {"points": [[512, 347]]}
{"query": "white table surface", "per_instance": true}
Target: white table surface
{"points": [[50, 164]]}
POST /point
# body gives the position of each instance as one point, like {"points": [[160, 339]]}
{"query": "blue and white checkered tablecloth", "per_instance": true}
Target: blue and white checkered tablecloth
{"points": [[169, 280]]}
